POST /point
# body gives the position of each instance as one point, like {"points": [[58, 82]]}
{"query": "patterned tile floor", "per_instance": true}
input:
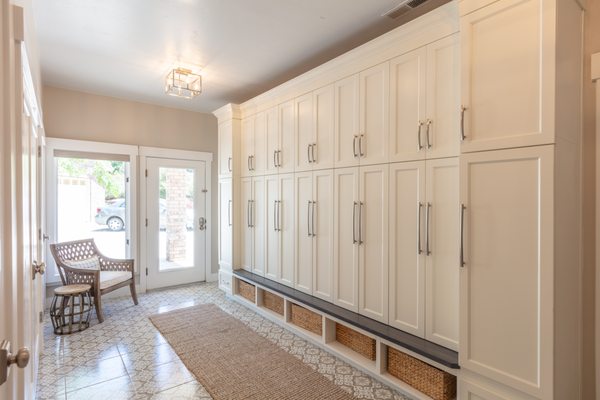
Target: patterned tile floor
{"points": [[127, 358]]}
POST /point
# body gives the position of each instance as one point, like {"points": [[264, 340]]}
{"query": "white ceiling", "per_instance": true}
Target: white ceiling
{"points": [[124, 48]]}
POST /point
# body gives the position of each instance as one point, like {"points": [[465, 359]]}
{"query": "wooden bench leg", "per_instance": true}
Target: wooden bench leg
{"points": [[98, 305], [133, 293]]}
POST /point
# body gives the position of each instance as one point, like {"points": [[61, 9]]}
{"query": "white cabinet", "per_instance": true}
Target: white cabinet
{"points": [[225, 224], [361, 239], [253, 208], [285, 118], [314, 233], [273, 243], [506, 282], [346, 122], [424, 102], [372, 143], [247, 147], [253, 160], [225, 149], [305, 134], [273, 142]]}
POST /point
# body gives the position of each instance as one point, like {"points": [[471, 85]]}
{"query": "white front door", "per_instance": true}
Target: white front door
{"points": [[176, 222]]}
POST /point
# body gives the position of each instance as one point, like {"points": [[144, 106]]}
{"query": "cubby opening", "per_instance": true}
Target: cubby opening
{"points": [[306, 319], [246, 290], [271, 302], [356, 341]]}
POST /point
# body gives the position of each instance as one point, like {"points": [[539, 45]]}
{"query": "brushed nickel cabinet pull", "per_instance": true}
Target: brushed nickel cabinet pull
{"points": [[229, 164], [360, 229], [314, 206], [462, 235], [429, 122], [354, 146], [360, 145], [419, 128], [427, 222], [354, 223], [229, 212], [308, 209], [419, 249], [463, 136]]}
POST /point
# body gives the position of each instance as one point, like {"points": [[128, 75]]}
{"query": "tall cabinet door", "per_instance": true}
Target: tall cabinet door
{"points": [[286, 137], [502, 86], [373, 241], [286, 228], [442, 249], [272, 140], [407, 106], [442, 127], [345, 256], [247, 147], [304, 234], [304, 132], [258, 222], [346, 122], [225, 149], [374, 115], [247, 231], [322, 216], [407, 247], [508, 243], [225, 224], [260, 144], [272, 230], [322, 152]]}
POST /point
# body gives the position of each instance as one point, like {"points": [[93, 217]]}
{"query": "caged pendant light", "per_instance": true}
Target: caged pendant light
{"points": [[182, 82]]}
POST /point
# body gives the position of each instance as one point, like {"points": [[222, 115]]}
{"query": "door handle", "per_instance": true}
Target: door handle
{"points": [[314, 206], [312, 152], [308, 210], [229, 164], [419, 145], [463, 136], [429, 122], [202, 223], [360, 146], [360, 209], [419, 250], [279, 215], [354, 223], [37, 268], [308, 153], [248, 211], [427, 223], [249, 167], [462, 235], [45, 237], [274, 158], [275, 215], [252, 212], [354, 146], [21, 359], [229, 212], [279, 158]]}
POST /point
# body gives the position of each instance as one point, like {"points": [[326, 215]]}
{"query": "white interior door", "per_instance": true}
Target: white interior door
{"points": [[176, 222]]}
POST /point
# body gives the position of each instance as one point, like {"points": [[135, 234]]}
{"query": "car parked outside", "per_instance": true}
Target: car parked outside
{"points": [[113, 215]]}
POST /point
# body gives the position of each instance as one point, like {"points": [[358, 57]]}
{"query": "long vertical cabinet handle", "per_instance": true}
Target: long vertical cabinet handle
{"points": [[229, 212], [429, 122], [462, 235], [249, 167], [278, 158], [252, 207], [308, 209], [308, 153], [274, 158], [427, 228], [248, 214], [229, 164], [314, 206], [360, 228], [419, 128], [354, 146], [279, 215], [354, 223], [275, 215], [312, 152], [360, 145], [463, 136], [419, 249], [252, 164]]}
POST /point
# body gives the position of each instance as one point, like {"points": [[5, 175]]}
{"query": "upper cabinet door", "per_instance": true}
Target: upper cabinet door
{"points": [[225, 149], [285, 159], [374, 115], [507, 90], [441, 130], [247, 153], [346, 151], [322, 150], [260, 144], [272, 140], [304, 132], [407, 106]]}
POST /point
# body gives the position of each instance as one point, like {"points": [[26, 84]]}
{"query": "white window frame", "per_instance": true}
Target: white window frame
{"points": [[155, 152], [84, 146]]}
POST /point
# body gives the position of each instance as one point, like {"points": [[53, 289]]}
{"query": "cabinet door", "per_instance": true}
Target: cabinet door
{"points": [[259, 223], [507, 90], [322, 152], [373, 242], [442, 127], [304, 132], [322, 229], [247, 147], [345, 256], [407, 106], [286, 228], [225, 149], [374, 115], [272, 231], [272, 140], [260, 144], [304, 235], [407, 247], [225, 224], [442, 248], [286, 137], [506, 283], [346, 122], [247, 232]]}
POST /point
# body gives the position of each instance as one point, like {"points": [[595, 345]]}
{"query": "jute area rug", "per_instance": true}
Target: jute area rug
{"points": [[233, 362]]}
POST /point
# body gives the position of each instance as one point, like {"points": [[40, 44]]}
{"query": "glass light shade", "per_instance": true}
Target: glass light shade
{"points": [[183, 83]]}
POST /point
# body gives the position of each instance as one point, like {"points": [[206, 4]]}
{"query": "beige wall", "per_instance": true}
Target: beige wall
{"points": [[75, 115]]}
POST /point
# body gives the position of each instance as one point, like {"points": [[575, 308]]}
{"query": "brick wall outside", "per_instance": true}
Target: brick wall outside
{"points": [[175, 186]]}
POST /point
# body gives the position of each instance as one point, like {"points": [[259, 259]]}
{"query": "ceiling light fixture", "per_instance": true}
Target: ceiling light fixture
{"points": [[182, 82]]}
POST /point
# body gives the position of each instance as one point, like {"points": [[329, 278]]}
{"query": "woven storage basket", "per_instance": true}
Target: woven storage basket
{"points": [[306, 319], [435, 383], [356, 341], [246, 290], [272, 302]]}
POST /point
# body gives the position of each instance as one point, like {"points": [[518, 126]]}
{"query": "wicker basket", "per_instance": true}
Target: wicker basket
{"points": [[272, 302], [356, 341], [246, 290], [306, 319], [435, 383]]}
